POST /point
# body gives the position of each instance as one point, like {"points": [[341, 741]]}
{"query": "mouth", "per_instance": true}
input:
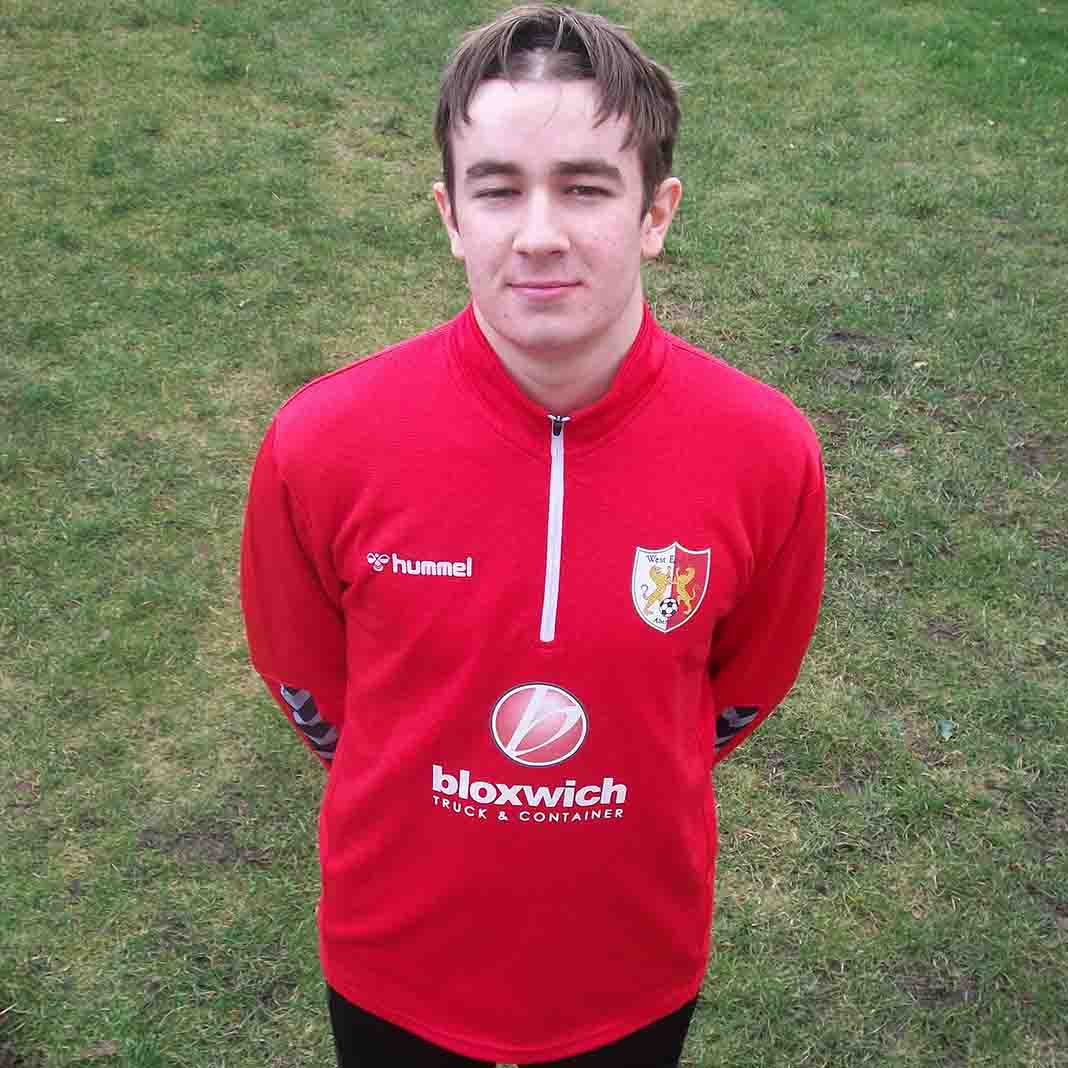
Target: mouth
{"points": [[542, 290]]}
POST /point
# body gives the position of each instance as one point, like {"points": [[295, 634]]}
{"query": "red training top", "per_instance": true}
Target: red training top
{"points": [[520, 643]]}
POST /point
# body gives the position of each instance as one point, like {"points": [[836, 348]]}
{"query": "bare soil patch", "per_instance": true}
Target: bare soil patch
{"points": [[1052, 539], [850, 785], [945, 630], [27, 791], [934, 990], [1048, 819], [1045, 452], [207, 846], [853, 339], [10, 1057], [833, 427]]}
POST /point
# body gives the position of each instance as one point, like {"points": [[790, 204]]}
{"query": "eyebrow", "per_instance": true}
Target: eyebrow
{"points": [[594, 168]]}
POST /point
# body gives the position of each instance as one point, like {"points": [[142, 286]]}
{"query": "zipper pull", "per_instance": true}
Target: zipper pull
{"points": [[558, 424]]}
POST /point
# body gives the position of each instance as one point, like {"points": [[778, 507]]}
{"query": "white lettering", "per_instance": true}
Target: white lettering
{"points": [[483, 793], [509, 795], [537, 816], [543, 795], [523, 795], [443, 782], [437, 568], [467, 810]]}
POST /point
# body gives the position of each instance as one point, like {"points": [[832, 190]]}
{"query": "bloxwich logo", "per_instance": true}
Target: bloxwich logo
{"points": [[538, 725]]}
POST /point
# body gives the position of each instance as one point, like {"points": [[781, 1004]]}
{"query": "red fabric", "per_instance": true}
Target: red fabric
{"points": [[496, 930]]}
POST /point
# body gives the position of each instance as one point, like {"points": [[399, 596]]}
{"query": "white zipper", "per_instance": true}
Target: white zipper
{"points": [[556, 528]]}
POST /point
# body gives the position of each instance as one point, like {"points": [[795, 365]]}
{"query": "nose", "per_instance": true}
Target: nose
{"points": [[540, 231]]}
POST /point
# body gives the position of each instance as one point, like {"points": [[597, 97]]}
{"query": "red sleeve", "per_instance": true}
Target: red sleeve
{"points": [[291, 603], [757, 650]]}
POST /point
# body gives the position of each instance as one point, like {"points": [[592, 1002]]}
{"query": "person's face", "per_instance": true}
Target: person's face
{"points": [[547, 217]]}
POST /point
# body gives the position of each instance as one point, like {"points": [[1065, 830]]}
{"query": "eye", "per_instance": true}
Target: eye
{"points": [[586, 191], [496, 193]]}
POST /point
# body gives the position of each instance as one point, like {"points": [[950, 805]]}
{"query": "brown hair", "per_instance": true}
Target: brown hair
{"points": [[542, 41]]}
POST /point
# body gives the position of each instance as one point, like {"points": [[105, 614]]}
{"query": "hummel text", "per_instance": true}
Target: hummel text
{"points": [[455, 569]]}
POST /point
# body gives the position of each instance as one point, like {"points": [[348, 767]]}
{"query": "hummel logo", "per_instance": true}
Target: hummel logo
{"points": [[451, 568]]}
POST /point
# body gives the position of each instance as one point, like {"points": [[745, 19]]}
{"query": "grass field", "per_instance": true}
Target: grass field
{"points": [[207, 203]]}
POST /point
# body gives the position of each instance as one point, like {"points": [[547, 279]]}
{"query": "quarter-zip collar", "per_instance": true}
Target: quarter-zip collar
{"points": [[555, 535], [521, 419]]}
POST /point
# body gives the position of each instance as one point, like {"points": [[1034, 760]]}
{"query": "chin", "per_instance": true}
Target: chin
{"points": [[547, 343]]}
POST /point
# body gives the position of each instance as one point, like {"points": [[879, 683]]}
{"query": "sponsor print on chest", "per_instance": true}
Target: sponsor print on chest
{"points": [[536, 725], [539, 725]]}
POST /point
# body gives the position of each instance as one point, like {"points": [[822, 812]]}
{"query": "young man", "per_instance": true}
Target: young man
{"points": [[520, 582]]}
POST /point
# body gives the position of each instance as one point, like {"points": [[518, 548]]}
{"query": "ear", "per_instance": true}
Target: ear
{"points": [[441, 198], [658, 217]]}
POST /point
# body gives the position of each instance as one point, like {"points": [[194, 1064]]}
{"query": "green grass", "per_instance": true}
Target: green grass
{"points": [[205, 205]]}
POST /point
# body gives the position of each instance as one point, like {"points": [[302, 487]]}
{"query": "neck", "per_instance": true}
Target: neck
{"points": [[564, 381]]}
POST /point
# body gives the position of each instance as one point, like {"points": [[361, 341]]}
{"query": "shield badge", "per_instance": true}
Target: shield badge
{"points": [[668, 585]]}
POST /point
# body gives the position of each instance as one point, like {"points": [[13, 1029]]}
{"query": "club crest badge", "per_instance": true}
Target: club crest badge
{"points": [[668, 585]]}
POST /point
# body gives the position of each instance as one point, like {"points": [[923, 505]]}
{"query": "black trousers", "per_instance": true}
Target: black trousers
{"points": [[366, 1041]]}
